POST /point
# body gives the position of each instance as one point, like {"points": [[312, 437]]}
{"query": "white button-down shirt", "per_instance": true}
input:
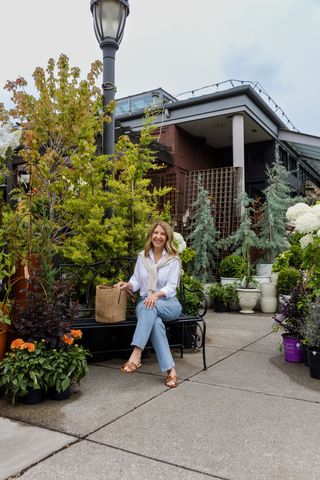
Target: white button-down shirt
{"points": [[167, 280]]}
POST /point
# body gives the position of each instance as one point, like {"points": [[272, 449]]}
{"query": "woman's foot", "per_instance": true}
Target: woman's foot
{"points": [[133, 363], [171, 380]]}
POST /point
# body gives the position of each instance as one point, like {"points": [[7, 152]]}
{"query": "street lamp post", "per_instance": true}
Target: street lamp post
{"points": [[109, 19]]}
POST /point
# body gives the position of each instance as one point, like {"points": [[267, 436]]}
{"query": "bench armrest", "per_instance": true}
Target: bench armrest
{"points": [[203, 301]]}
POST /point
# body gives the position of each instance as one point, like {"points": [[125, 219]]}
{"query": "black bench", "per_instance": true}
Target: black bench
{"points": [[104, 340]]}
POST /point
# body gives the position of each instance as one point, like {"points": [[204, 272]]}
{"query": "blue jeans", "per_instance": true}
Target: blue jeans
{"points": [[150, 325]]}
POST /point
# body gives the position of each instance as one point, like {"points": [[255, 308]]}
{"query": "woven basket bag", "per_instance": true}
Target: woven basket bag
{"points": [[111, 304]]}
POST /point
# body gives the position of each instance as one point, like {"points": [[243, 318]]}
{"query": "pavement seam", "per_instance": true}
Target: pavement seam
{"points": [[231, 354], [157, 460], [76, 436], [129, 411], [255, 391]]}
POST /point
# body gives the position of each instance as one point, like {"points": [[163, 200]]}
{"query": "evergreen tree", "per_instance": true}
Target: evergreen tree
{"points": [[273, 237], [244, 238], [204, 236]]}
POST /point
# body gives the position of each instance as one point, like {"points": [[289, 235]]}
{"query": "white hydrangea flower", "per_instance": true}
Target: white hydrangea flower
{"points": [[179, 241], [306, 240], [297, 210], [318, 233], [8, 138], [307, 223], [315, 210]]}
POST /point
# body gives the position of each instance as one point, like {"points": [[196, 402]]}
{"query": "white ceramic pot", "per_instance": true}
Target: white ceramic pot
{"points": [[247, 299], [268, 290], [261, 279], [264, 269], [274, 277], [226, 280], [206, 288], [269, 304]]}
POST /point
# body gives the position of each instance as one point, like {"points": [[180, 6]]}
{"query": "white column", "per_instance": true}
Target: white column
{"points": [[238, 144]]}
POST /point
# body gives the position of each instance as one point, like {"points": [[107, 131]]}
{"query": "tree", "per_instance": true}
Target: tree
{"points": [[244, 238], [62, 207], [273, 236], [204, 236]]}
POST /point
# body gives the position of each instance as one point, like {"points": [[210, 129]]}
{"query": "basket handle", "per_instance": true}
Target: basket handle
{"points": [[129, 294]]}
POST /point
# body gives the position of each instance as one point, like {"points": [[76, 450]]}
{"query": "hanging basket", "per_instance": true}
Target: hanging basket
{"points": [[111, 304]]}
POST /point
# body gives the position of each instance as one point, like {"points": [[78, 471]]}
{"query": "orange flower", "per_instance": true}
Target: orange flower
{"points": [[77, 334], [30, 346], [17, 343], [67, 340]]}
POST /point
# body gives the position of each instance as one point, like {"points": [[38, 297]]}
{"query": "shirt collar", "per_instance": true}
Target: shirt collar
{"points": [[163, 254]]}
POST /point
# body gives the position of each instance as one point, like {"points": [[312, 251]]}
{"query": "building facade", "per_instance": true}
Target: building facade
{"points": [[226, 139]]}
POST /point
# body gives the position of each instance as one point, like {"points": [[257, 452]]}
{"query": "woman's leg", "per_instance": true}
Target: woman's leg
{"points": [[167, 309], [150, 325], [145, 321]]}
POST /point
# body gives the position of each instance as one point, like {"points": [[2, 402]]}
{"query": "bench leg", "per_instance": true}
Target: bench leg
{"points": [[204, 344]]}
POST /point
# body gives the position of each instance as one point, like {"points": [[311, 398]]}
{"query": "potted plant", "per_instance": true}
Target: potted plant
{"points": [[311, 331], [292, 320], [222, 296], [68, 364], [46, 320], [288, 279], [23, 371], [242, 241], [230, 268]]}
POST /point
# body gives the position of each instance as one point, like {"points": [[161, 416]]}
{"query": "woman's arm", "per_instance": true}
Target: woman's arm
{"points": [[169, 289]]}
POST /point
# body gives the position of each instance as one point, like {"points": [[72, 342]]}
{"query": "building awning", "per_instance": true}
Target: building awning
{"points": [[306, 146]]}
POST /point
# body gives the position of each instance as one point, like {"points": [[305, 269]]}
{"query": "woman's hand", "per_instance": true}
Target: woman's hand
{"points": [[151, 300], [123, 285]]}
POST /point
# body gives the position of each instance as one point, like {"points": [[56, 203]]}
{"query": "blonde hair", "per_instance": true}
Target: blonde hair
{"points": [[169, 246]]}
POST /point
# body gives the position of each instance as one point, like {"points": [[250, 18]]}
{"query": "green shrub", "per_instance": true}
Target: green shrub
{"points": [[223, 293], [194, 298], [231, 265], [288, 279]]}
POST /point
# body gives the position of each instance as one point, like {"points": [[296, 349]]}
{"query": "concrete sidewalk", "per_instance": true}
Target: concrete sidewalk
{"points": [[250, 416]]}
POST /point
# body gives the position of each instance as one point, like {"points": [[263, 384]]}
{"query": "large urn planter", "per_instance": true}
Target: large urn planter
{"points": [[292, 349], [248, 298], [314, 362], [264, 269], [269, 301], [268, 290], [269, 304]]}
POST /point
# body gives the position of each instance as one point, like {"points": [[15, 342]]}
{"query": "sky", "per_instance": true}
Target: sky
{"points": [[179, 45]]}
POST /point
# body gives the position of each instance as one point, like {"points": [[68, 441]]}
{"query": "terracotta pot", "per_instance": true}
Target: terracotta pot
{"points": [[3, 340]]}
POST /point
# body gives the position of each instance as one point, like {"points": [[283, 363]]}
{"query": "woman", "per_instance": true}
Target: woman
{"points": [[156, 275]]}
